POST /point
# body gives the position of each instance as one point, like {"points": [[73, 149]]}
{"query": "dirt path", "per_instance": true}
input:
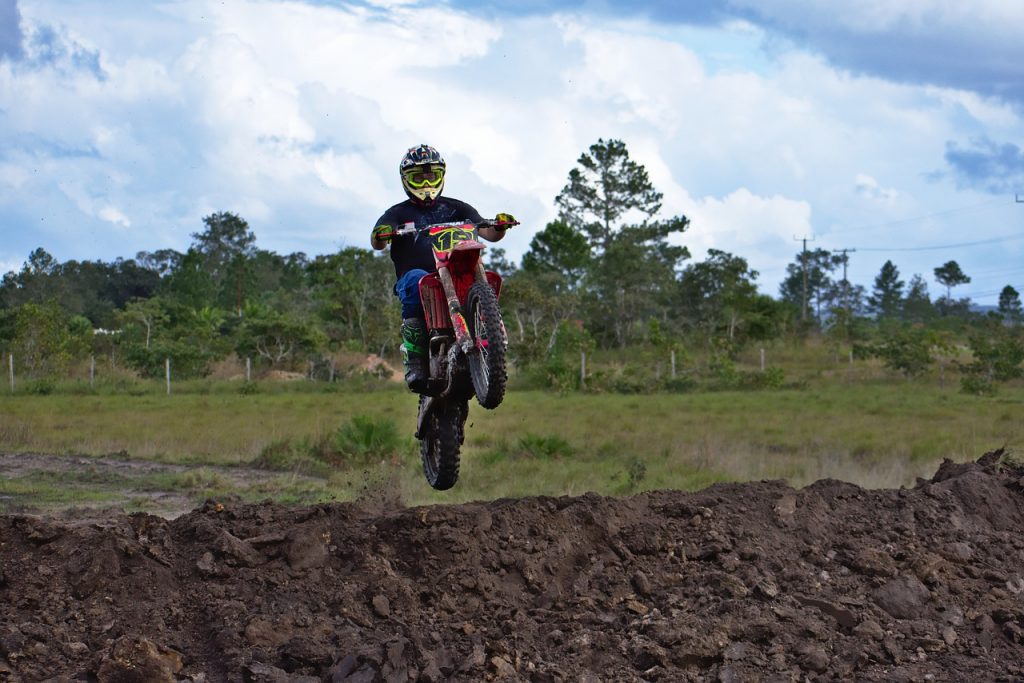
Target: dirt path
{"points": [[735, 583]]}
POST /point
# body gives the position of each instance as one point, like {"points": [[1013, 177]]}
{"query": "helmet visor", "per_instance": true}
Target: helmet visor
{"points": [[424, 176]]}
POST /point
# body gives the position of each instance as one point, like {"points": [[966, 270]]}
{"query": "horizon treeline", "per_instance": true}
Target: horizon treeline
{"points": [[603, 276]]}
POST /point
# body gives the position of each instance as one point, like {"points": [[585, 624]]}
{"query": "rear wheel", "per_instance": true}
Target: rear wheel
{"points": [[441, 442], [487, 362]]}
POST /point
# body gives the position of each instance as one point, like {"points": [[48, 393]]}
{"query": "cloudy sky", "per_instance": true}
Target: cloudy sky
{"points": [[894, 127]]}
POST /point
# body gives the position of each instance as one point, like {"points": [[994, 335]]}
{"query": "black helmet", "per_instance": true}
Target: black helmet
{"points": [[422, 169]]}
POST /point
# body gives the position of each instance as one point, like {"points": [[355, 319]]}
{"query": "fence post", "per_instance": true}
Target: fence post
{"points": [[10, 362], [167, 371], [673, 363], [583, 369], [762, 360], [248, 369], [92, 371]]}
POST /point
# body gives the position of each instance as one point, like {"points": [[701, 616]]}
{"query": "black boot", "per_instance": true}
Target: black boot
{"points": [[414, 354]]}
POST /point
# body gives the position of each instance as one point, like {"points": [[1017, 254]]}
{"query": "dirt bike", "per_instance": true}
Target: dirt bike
{"points": [[467, 343]]}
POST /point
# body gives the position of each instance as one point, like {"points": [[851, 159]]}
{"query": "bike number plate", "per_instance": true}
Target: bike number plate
{"points": [[444, 238]]}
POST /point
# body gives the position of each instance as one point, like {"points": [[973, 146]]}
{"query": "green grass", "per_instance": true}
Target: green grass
{"points": [[44, 491], [872, 432]]}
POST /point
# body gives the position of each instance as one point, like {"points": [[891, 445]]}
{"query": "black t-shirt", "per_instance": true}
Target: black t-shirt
{"points": [[414, 251]]}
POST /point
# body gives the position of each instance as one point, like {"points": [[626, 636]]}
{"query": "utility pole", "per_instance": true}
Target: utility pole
{"points": [[846, 283], [803, 267]]}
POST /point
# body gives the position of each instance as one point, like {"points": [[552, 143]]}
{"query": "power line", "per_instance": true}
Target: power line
{"points": [[915, 219], [976, 243]]}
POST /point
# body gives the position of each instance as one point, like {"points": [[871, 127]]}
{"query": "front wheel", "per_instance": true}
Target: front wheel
{"points": [[441, 442], [487, 362]]}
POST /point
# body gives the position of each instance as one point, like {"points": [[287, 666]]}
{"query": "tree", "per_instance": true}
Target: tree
{"points": [[37, 282], [277, 337], [496, 259], [352, 293], [149, 314], [41, 338], [633, 280], [887, 294], [997, 354], [634, 265], [92, 289], [1010, 306], [162, 261], [949, 275], [227, 246], [605, 187], [191, 283], [917, 304], [559, 248], [717, 294], [907, 349], [819, 265]]}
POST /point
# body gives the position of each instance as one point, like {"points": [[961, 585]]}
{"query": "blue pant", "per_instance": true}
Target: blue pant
{"points": [[408, 290]]}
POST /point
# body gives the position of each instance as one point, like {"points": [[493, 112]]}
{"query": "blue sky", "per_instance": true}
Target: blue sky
{"points": [[895, 128]]}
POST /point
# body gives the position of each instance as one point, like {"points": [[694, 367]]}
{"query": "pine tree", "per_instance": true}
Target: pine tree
{"points": [[949, 275], [605, 187], [917, 304], [1010, 306], [887, 294]]}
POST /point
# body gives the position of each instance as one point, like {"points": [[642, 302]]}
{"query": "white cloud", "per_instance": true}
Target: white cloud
{"points": [[112, 214], [295, 116], [761, 229]]}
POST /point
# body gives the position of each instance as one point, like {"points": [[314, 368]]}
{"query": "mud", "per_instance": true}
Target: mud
{"points": [[735, 583]]}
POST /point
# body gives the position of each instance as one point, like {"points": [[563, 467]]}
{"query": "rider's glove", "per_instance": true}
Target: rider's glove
{"points": [[505, 221], [383, 233]]}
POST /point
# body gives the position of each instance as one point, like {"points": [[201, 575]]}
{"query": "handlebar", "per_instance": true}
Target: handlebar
{"points": [[411, 229]]}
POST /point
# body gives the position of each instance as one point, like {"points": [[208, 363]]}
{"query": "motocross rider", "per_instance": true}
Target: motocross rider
{"points": [[422, 170]]}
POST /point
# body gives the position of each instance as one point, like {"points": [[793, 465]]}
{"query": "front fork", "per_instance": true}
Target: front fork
{"points": [[462, 336]]}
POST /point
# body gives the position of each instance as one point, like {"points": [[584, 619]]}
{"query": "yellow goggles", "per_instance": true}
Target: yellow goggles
{"points": [[418, 178]]}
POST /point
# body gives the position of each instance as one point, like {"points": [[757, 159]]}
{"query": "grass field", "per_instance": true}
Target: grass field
{"points": [[874, 432]]}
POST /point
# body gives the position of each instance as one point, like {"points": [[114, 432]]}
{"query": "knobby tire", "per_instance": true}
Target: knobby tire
{"points": [[487, 363], [440, 445]]}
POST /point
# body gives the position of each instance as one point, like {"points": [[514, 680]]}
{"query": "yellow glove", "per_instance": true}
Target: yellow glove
{"points": [[383, 233], [505, 221]]}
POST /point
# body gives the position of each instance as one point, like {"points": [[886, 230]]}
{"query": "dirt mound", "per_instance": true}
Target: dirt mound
{"points": [[734, 583]]}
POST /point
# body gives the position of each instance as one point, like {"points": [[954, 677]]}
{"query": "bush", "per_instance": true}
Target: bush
{"points": [[39, 387], [544, 447], [998, 354], [285, 456], [680, 384], [366, 439], [771, 378], [636, 473]]}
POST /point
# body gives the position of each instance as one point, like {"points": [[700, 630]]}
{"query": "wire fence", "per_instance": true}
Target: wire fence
{"points": [[105, 372]]}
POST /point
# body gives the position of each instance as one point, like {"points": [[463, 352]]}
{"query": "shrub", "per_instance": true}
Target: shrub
{"points": [[286, 456], [543, 447], [366, 439], [998, 354], [637, 472]]}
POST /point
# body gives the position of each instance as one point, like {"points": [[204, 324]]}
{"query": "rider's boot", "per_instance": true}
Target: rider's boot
{"points": [[414, 353]]}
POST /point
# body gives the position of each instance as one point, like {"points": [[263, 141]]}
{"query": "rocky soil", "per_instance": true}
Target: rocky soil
{"points": [[735, 583]]}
